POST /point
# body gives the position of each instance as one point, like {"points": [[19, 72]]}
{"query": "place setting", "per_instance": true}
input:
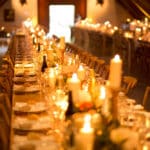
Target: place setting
{"points": [[32, 122], [28, 107], [26, 88]]}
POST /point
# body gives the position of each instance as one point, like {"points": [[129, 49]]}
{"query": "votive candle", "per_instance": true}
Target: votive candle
{"points": [[85, 138]]}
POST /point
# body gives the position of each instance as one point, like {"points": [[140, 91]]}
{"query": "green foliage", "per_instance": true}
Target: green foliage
{"points": [[103, 140]]}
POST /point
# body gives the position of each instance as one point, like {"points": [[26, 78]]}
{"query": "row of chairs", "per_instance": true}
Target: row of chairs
{"points": [[5, 121], [6, 84], [146, 95], [142, 56], [128, 85], [99, 65], [102, 69]]}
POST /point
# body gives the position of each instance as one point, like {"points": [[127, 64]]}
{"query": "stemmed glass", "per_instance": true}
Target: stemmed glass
{"points": [[3, 45]]}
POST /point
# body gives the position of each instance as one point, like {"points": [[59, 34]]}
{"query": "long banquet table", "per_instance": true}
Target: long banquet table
{"points": [[104, 43], [33, 123], [37, 120]]}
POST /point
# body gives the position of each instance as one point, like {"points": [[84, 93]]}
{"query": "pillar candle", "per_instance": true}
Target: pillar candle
{"points": [[115, 72], [52, 78], [102, 96], [85, 138], [74, 85], [81, 73]]}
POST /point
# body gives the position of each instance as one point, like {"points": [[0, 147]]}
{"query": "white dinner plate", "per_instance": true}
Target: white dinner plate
{"points": [[25, 107], [35, 141], [18, 80], [26, 88], [32, 123]]}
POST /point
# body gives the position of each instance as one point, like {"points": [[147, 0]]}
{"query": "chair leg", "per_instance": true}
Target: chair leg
{"points": [[147, 90]]}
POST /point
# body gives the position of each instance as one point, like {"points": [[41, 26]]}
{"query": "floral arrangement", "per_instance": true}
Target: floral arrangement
{"points": [[86, 106], [114, 137], [103, 137]]}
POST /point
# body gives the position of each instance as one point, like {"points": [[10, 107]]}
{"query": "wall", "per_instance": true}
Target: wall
{"points": [[109, 10], [21, 12], [43, 9]]}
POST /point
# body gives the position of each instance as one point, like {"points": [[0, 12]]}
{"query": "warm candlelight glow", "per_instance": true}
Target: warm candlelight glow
{"points": [[132, 26], [128, 20], [80, 67], [74, 82], [138, 30], [28, 23], [61, 100], [101, 98], [115, 72], [32, 30], [8, 35], [74, 85], [117, 58], [51, 73], [74, 77], [2, 28], [52, 78], [102, 95], [81, 72], [39, 34], [85, 138], [87, 125], [84, 96]]}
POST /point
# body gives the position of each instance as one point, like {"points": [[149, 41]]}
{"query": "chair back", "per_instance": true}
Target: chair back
{"points": [[146, 94], [3, 137], [128, 83]]}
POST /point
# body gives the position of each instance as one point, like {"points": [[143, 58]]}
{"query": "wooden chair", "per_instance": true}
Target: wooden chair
{"points": [[87, 58], [83, 56], [4, 117], [7, 73], [4, 128], [92, 62], [128, 83], [4, 137], [104, 72], [142, 56], [146, 94], [5, 101], [5, 86], [7, 59], [99, 64]]}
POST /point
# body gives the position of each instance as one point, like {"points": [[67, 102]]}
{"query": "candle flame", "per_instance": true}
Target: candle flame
{"points": [[87, 124], [80, 67], [87, 118], [102, 92], [117, 57], [74, 76], [51, 72]]}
